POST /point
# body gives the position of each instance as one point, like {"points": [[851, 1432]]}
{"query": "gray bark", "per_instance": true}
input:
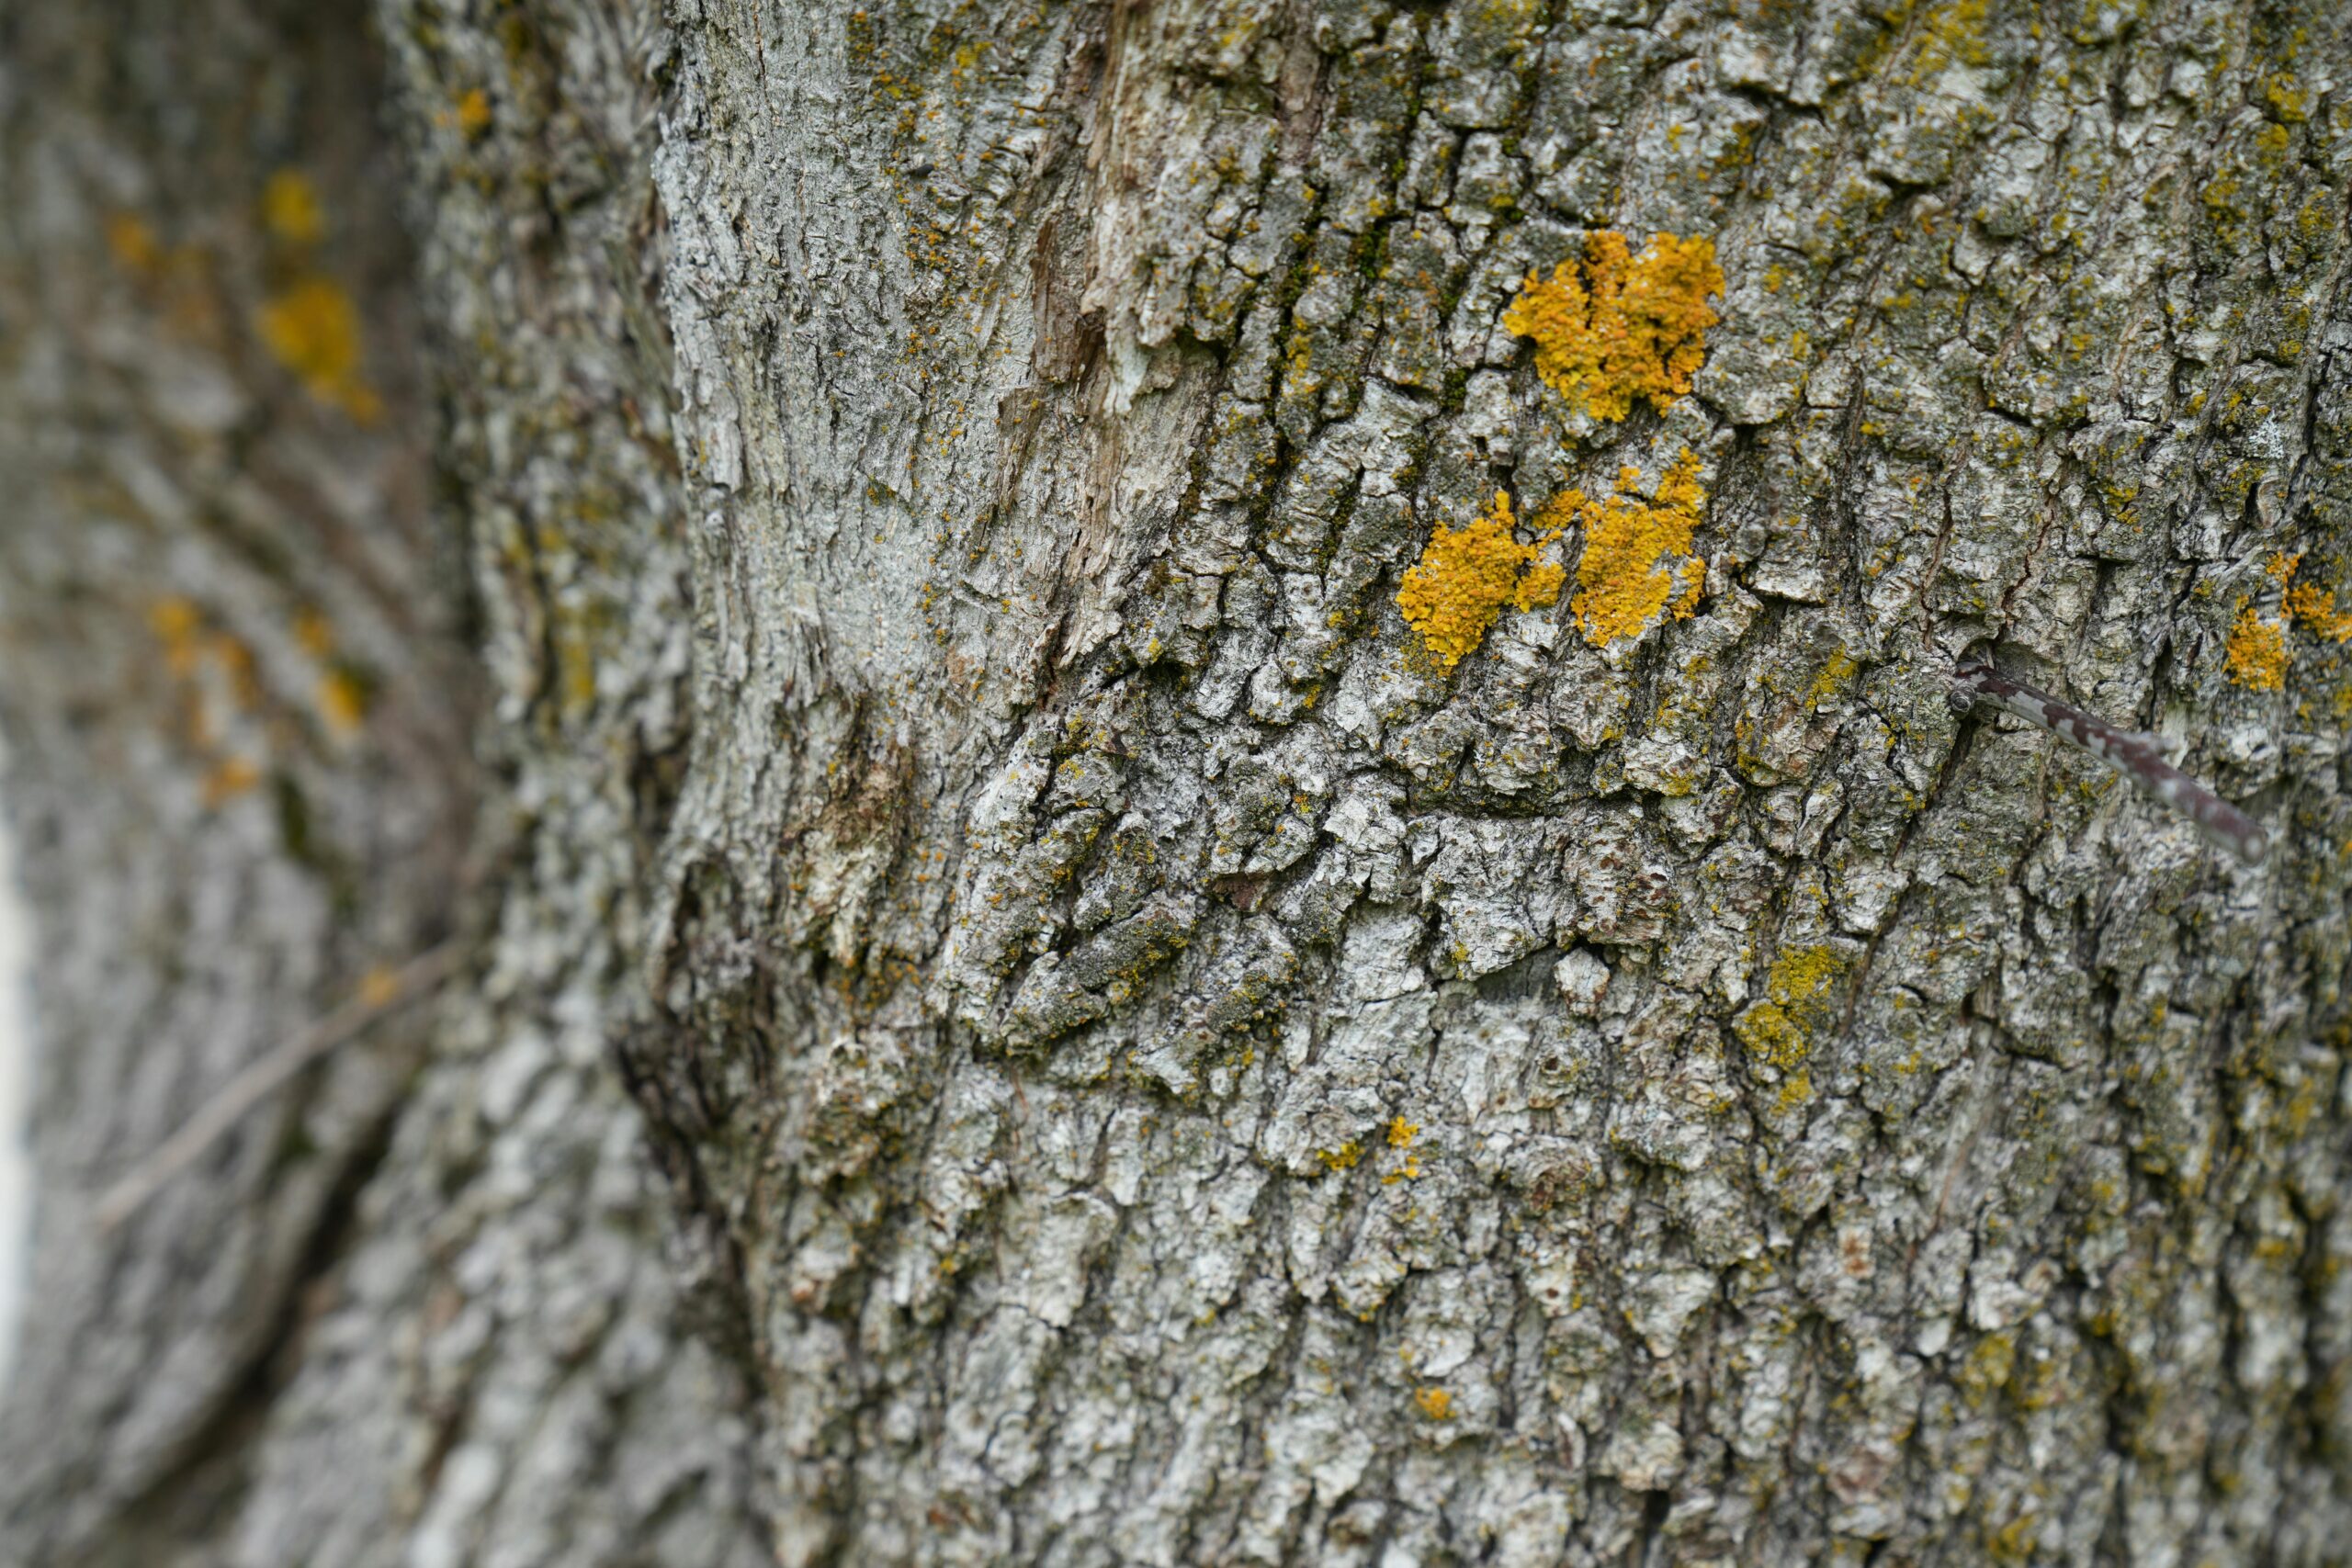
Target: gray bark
{"points": [[1010, 1013], [422, 1309]]}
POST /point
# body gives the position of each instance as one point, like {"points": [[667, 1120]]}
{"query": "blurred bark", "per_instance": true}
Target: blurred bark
{"points": [[279, 617], [847, 556]]}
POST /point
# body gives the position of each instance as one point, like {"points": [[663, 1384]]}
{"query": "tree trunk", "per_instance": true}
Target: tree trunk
{"points": [[1060, 948]]}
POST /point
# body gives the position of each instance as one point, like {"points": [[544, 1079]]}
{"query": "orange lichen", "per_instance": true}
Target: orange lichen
{"points": [[379, 987], [1401, 1134], [1637, 563], [312, 329], [216, 677], [1468, 576], [291, 208], [1621, 326], [2256, 653], [2315, 608], [1435, 1403], [229, 777]]}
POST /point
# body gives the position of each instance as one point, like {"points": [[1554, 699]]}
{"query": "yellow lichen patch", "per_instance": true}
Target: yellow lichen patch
{"points": [[342, 702], [315, 633], [2315, 607], [1955, 36], [379, 987], [1468, 576], [1344, 1158], [1435, 1403], [229, 777], [312, 328], [1637, 563], [133, 244], [2256, 653], [1987, 1366], [176, 623], [235, 661], [1779, 1031], [291, 209], [1619, 326], [473, 112], [1401, 1134], [1834, 672]]}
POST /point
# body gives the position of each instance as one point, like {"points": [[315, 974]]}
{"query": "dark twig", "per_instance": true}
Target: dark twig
{"points": [[253, 1084], [2139, 757]]}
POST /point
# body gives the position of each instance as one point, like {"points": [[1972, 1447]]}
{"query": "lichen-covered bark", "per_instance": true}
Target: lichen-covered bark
{"points": [[236, 702], [1150, 1063], [1192, 1079], [425, 1307]]}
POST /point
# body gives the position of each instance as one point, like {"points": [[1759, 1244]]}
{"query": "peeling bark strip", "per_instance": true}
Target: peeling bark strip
{"points": [[2137, 755]]}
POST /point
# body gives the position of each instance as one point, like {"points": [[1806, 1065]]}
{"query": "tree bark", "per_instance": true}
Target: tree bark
{"points": [[847, 562]]}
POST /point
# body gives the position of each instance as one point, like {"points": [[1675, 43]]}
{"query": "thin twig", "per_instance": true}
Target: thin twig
{"points": [[256, 1080], [2139, 757]]}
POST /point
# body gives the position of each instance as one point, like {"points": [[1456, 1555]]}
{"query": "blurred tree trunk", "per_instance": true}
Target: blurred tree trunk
{"points": [[842, 560]]}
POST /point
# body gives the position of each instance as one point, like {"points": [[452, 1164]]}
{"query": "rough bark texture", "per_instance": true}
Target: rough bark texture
{"points": [[1144, 1063], [422, 1310]]}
